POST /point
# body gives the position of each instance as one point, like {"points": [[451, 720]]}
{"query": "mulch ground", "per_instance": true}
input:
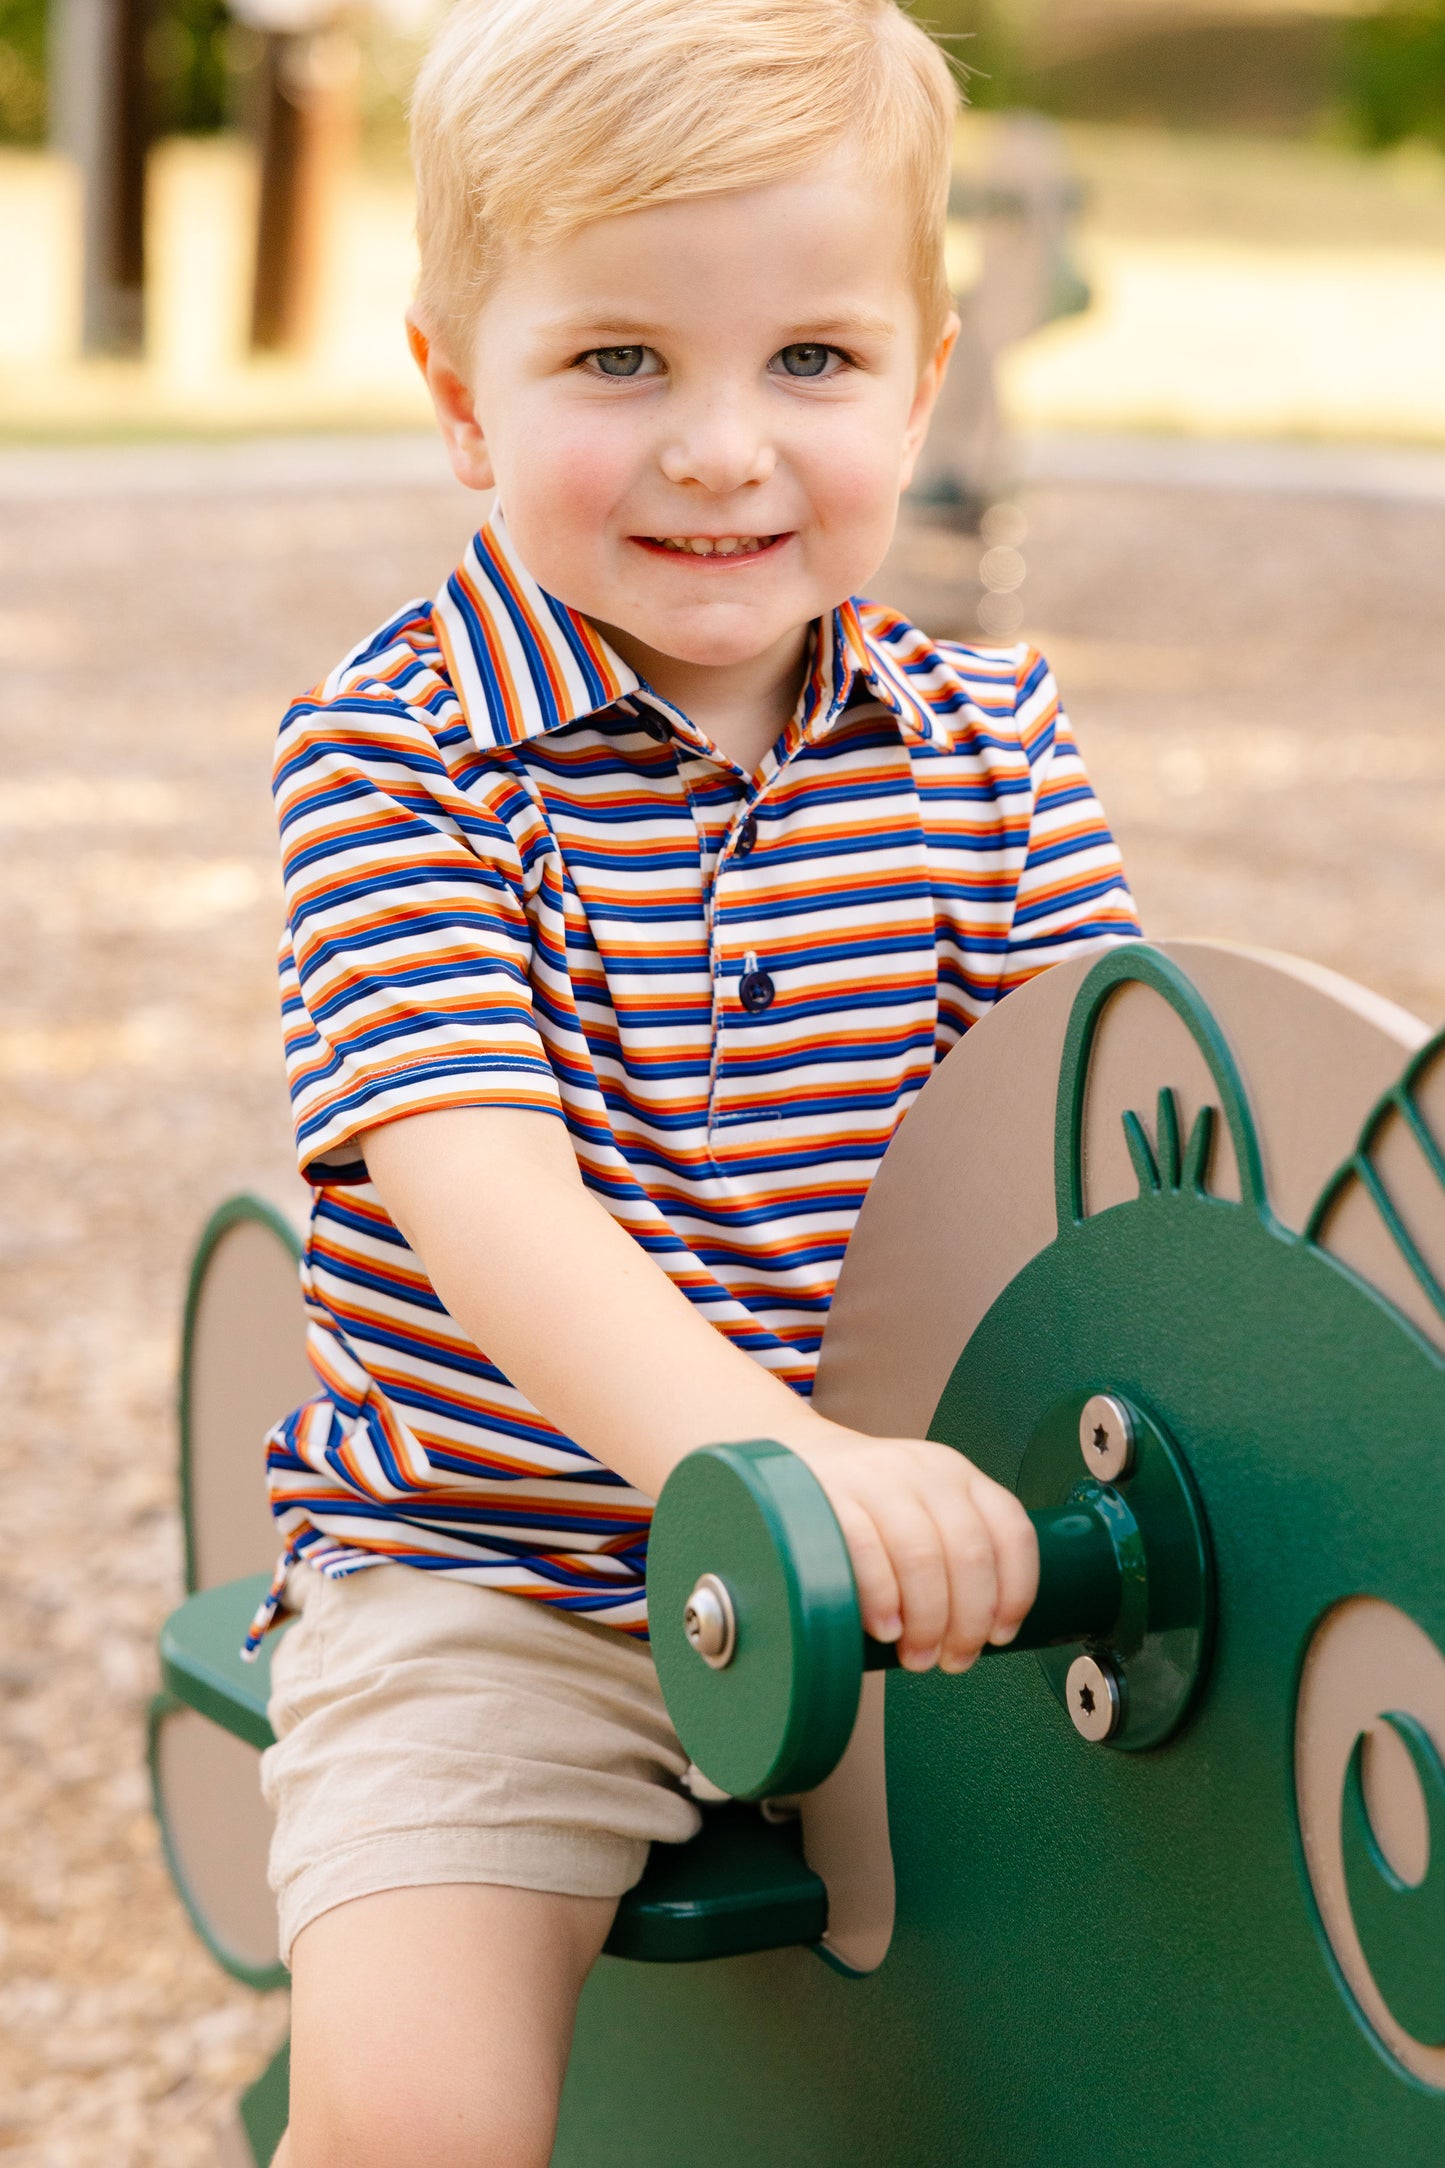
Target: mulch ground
{"points": [[1257, 682]]}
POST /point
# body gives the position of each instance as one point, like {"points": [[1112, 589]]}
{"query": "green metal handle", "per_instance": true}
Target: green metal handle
{"points": [[771, 1707], [1081, 1587]]}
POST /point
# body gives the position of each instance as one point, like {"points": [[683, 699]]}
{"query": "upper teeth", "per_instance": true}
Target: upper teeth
{"points": [[723, 545]]}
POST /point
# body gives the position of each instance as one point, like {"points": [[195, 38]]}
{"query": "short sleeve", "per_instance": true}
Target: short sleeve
{"points": [[405, 965], [1071, 889]]}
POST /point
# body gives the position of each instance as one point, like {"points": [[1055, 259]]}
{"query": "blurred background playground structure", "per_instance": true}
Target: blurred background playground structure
{"points": [[1215, 494], [205, 218]]}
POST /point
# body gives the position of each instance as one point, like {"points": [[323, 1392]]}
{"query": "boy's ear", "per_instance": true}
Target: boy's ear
{"points": [[454, 406], [930, 383]]}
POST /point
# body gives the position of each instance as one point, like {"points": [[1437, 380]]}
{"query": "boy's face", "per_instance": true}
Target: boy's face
{"points": [[743, 371]]}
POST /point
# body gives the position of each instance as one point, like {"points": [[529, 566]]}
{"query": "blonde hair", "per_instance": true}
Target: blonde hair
{"points": [[532, 118]]}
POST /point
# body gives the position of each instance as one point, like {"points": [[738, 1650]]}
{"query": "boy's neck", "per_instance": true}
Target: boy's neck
{"points": [[742, 706]]}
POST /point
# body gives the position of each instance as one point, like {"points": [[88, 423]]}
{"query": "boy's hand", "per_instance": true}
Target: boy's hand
{"points": [[945, 1558]]}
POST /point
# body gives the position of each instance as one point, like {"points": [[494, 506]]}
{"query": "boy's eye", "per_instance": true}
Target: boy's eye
{"points": [[804, 360], [622, 360]]}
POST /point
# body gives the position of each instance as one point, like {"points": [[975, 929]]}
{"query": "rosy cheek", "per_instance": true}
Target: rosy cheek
{"points": [[560, 491], [571, 470], [853, 482]]}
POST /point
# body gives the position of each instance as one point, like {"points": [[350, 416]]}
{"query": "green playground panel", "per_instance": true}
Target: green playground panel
{"points": [[265, 2106], [1105, 1956], [244, 1209]]}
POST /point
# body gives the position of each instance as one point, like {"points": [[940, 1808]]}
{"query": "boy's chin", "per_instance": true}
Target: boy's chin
{"points": [[721, 637]]}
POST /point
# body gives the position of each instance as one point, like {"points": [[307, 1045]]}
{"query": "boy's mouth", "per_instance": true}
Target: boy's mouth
{"points": [[710, 548]]}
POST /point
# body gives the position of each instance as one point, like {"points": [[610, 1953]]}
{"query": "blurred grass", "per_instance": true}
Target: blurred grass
{"points": [[23, 106], [1367, 72], [1394, 73]]}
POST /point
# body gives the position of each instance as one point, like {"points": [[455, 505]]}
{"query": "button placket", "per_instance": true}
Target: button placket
{"points": [[756, 987]]}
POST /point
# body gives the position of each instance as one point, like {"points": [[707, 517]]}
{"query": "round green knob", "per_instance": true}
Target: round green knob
{"points": [[755, 1624]]}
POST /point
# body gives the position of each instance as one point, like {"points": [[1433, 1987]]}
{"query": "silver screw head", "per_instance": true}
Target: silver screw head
{"points": [[1106, 1438], [1095, 1702], [709, 1622]]}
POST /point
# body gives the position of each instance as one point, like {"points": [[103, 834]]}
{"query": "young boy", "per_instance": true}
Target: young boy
{"points": [[635, 887]]}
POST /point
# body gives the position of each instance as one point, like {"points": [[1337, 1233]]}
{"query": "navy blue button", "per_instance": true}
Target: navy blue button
{"points": [[756, 991], [747, 837]]}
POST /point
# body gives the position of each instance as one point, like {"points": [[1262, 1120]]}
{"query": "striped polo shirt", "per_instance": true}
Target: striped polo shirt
{"points": [[518, 877]]}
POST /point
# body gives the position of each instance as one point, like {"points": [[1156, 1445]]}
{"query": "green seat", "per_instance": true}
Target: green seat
{"points": [[741, 1884], [201, 1658]]}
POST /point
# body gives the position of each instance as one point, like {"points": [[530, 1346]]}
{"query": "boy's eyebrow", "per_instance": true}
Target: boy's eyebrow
{"points": [[602, 320], [856, 322], [625, 328]]}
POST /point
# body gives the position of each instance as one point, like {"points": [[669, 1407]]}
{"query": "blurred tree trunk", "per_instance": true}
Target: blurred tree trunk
{"points": [[308, 119], [102, 121]]}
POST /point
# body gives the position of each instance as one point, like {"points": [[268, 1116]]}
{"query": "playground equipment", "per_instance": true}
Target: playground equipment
{"points": [[1161, 1245], [1021, 203]]}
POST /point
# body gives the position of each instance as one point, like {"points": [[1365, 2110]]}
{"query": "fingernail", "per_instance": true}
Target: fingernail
{"points": [[954, 1665], [889, 1630], [1002, 1640], [920, 1660]]}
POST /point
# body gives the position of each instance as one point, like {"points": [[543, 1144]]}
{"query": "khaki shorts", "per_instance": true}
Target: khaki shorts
{"points": [[432, 1731]]}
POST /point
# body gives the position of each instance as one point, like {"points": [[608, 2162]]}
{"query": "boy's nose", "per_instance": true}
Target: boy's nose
{"points": [[720, 447]]}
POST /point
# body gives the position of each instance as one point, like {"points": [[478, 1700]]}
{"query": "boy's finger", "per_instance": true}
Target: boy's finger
{"points": [[916, 1551], [972, 1581], [878, 1598], [1016, 1556]]}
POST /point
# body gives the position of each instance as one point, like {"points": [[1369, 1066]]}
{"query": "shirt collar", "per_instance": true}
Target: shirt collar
{"points": [[523, 664], [889, 654]]}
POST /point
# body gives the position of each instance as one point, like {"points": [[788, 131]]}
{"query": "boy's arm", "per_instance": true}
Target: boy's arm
{"points": [[537, 1272]]}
